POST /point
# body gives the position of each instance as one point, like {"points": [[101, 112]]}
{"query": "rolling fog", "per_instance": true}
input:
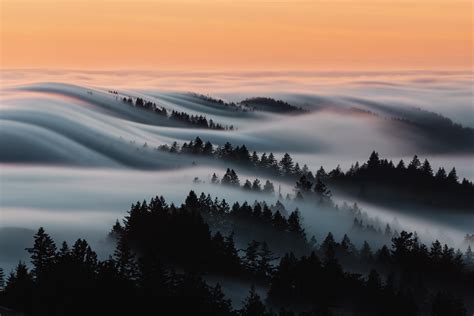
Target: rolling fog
{"points": [[73, 155]]}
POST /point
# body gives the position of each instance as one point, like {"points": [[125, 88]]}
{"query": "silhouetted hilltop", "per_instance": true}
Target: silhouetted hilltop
{"points": [[199, 121], [270, 105]]}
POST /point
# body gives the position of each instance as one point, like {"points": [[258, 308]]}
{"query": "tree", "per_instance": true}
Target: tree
{"points": [[253, 305], [415, 164], [402, 246], [294, 224], [247, 185], [373, 161], [279, 221], [214, 179], [366, 252], [452, 176], [328, 242], [469, 256], [256, 186], [19, 289], [208, 150], [234, 179], [347, 246], [436, 251], [272, 163], [125, 259], [268, 187], [440, 175], [303, 184], [254, 159], [373, 281], [2, 279], [265, 257], [426, 168], [321, 173], [227, 178], [401, 165], [322, 192], [251, 255], [286, 165], [191, 202], [43, 253]]}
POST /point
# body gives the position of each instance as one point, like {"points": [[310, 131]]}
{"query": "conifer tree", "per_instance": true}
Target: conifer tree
{"points": [[253, 305], [268, 187], [251, 255], [265, 257], [2, 279], [247, 185], [256, 186], [125, 259], [43, 253]]}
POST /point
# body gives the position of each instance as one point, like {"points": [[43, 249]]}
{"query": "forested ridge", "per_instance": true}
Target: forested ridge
{"points": [[377, 180], [165, 252]]}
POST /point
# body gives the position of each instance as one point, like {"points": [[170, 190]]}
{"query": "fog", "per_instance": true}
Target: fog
{"points": [[73, 157]]}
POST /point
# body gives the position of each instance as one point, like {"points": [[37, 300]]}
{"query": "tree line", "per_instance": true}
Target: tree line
{"points": [[164, 252], [198, 121], [377, 180]]}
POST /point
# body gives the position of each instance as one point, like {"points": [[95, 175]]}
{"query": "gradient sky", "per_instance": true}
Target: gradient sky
{"points": [[241, 34]]}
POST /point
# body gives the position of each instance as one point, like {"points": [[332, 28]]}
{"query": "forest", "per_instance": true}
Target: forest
{"points": [[165, 253], [377, 180]]}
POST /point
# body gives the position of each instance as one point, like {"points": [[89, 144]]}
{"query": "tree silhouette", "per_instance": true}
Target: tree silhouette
{"points": [[43, 253], [253, 305]]}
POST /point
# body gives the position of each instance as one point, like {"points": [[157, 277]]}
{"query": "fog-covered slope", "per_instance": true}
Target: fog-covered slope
{"points": [[75, 155]]}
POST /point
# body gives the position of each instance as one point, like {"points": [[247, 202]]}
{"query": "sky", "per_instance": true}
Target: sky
{"points": [[225, 34]]}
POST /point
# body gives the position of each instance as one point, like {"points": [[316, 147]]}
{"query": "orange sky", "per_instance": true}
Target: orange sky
{"points": [[239, 34]]}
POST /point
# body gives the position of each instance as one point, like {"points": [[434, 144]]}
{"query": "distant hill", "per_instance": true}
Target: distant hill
{"points": [[270, 105]]}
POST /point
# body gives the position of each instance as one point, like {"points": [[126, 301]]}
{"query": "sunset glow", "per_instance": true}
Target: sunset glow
{"points": [[213, 34]]}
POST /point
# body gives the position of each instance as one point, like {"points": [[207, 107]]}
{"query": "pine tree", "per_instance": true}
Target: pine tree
{"points": [[294, 224], [192, 202], [328, 242], [452, 176], [401, 165], [256, 186], [254, 159], [297, 171], [253, 305], [322, 192], [208, 150], [227, 178], [2, 279], [303, 184], [347, 246], [272, 163], [214, 179], [125, 259], [321, 174], [265, 257], [373, 281], [247, 185], [251, 255], [279, 221], [415, 164], [441, 175], [366, 252], [426, 168], [373, 161], [234, 179], [268, 187], [469, 256], [43, 253], [436, 251]]}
